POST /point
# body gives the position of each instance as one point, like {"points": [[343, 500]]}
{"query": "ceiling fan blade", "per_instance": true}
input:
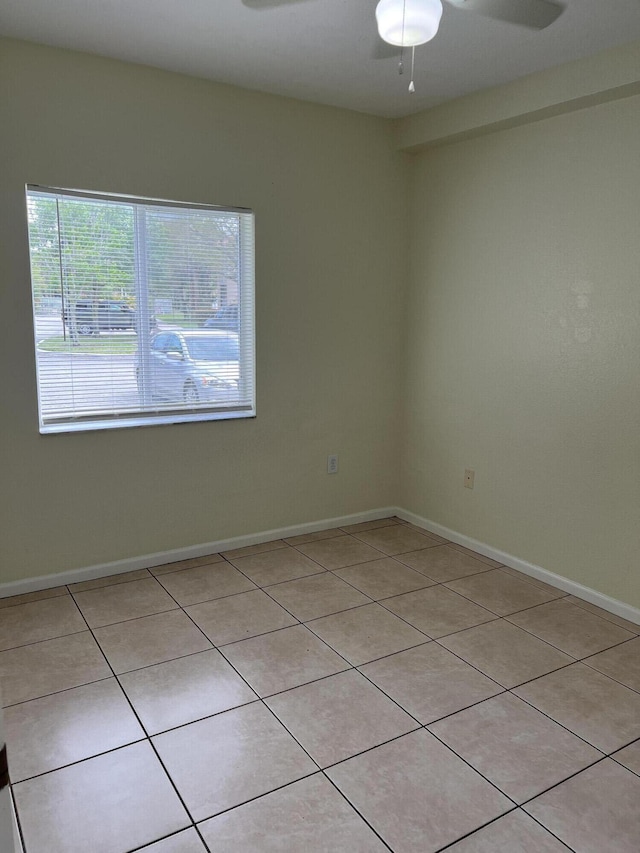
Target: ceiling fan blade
{"points": [[536, 14], [269, 4]]}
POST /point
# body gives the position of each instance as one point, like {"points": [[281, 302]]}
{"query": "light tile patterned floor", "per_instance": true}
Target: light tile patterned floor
{"points": [[361, 689]]}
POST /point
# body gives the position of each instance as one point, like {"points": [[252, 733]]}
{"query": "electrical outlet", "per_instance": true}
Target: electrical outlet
{"points": [[332, 464], [469, 477]]}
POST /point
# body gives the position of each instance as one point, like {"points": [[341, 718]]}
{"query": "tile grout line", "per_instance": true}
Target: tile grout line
{"points": [[11, 604], [373, 660], [494, 820], [519, 684], [46, 640], [553, 720], [580, 602], [357, 811], [223, 645], [564, 652], [166, 837], [106, 578], [380, 602], [562, 782], [516, 805], [550, 831], [322, 769], [280, 722], [474, 769], [499, 615], [602, 758], [404, 619], [59, 692], [142, 726], [351, 667], [384, 597], [17, 817], [331, 613], [149, 740], [612, 756], [262, 699], [617, 681]]}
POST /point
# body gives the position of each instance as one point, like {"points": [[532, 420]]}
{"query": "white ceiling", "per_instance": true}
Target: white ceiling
{"points": [[319, 50]]}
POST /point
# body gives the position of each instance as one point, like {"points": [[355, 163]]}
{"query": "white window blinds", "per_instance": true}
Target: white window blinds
{"points": [[143, 310]]}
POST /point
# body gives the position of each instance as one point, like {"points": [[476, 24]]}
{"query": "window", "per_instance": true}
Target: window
{"points": [[143, 310]]}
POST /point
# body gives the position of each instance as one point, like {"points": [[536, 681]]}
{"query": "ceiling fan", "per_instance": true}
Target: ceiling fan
{"points": [[535, 14], [409, 23]]}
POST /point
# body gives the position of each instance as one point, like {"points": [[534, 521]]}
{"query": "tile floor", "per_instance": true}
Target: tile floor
{"points": [[364, 689]]}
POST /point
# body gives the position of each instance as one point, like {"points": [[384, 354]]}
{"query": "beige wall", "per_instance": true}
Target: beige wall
{"points": [[523, 359], [515, 349], [328, 191]]}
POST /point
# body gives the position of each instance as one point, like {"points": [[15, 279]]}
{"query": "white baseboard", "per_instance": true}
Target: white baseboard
{"points": [[619, 608], [147, 561]]}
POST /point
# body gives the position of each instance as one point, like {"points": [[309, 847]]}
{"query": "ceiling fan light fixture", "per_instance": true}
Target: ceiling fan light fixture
{"points": [[407, 23]]}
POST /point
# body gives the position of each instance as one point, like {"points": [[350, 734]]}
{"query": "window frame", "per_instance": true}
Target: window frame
{"points": [[148, 413]]}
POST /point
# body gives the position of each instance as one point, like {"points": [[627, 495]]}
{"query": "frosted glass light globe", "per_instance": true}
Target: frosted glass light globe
{"points": [[407, 23]]}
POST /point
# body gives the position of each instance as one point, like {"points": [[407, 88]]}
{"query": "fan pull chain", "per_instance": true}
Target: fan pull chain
{"points": [[412, 87], [401, 63]]}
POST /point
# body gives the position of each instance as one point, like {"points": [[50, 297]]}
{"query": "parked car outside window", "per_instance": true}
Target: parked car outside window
{"points": [[198, 366], [93, 317]]}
